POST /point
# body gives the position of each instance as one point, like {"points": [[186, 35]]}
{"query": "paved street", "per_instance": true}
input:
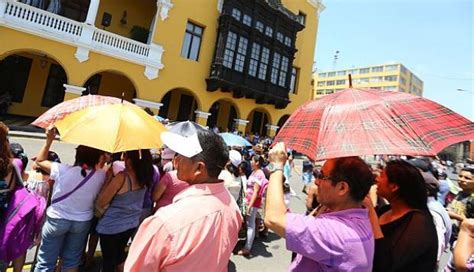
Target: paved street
{"points": [[269, 254]]}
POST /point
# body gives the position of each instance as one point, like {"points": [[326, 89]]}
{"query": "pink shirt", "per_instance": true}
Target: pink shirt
{"points": [[196, 233], [257, 176], [173, 187]]}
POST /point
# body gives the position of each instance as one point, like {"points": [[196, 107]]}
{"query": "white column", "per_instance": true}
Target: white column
{"points": [[73, 89], [92, 12], [147, 104]]}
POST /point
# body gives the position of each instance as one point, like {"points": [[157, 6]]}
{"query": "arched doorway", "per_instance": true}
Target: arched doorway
{"points": [[222, 116], [33, 80], [110, 83], [179, 105], [258, 120], [282, 121]]}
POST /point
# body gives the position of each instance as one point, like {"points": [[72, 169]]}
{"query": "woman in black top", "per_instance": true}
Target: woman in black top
{"points": [[405, 234]]}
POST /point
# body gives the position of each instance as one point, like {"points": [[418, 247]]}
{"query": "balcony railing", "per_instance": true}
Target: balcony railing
{"points": [[48, 25], [30, 17], [109, 41]]}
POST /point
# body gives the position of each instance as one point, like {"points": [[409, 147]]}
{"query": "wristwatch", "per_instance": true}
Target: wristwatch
{"points": [[272, 168]]}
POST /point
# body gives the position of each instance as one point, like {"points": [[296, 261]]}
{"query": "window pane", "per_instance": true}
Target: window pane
{"points": [[186, 45], [262, 71], [236, 14], [282, 81], [192, 41], [391, 67], [190, 27], [195, 43], [294, 75], [269, 31], [377, 69], [241, 52], [253, 67], [228, 58], [259, 26], [247, 20], [287, 41], [275, 68], [280, 37]]}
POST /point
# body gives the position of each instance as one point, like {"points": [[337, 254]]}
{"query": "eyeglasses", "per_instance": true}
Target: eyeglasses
{"points": [[321, 176]]}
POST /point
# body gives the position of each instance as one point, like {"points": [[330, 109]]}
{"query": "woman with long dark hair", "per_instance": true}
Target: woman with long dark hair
{"points": [[121, 203], [72, 205], [404, 231], [254, 200]]}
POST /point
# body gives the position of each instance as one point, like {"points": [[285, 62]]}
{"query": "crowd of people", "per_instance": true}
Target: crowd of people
{"points": [[182, 208]]}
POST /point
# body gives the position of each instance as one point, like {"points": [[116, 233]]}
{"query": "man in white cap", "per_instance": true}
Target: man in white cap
{"points": [[199, 230]]}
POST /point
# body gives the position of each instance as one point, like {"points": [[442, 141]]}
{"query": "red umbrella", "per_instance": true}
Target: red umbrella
{"points": [[357, 122], [63, 109]]}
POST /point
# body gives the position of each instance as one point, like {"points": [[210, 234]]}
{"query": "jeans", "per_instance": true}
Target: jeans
{"points": [[251, 228], [65, 238]]}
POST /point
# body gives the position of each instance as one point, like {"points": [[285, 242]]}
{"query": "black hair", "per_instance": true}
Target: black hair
{"points": [[468, 169], [356, 173], [87, 156], [260, 159], [234, 170], [142, 164], [214, 152], [411, 185]]}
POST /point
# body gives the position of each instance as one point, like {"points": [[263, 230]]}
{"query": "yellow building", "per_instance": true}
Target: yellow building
{"points": [[390, 77], [242, 64]]}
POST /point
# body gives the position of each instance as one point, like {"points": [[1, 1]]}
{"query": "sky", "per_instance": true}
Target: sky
{"points": [[432, 38]]}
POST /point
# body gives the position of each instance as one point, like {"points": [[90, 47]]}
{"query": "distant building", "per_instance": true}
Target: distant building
{"points": [[389, 77]]}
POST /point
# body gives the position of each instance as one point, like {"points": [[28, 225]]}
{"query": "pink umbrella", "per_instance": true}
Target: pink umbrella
{"points": [[61, 110]]}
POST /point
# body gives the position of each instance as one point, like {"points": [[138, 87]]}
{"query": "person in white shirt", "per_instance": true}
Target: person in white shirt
{"points": [[72, 205]]}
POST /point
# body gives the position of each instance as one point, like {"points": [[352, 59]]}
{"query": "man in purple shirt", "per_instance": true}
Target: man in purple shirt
{"points": [[339, 236]]}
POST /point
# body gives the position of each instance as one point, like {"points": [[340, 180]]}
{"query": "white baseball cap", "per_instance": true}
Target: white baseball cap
{"points": [[235, 158], [185, 146]]}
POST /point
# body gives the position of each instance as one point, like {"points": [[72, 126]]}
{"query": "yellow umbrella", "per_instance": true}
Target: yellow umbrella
{"points": [[112, 128]]}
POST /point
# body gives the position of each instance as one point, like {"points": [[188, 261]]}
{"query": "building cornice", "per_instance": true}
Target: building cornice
{"points": [[318, 4]]}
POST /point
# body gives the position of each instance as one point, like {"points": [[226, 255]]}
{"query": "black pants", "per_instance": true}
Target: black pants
{"points": [[113, 249]]}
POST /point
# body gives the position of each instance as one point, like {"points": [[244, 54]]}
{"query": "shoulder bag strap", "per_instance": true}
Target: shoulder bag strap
{"points": [[84, 181]]}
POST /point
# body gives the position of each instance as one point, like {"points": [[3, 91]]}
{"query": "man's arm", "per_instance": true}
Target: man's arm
{"points": [[275, 209], [464, 246]]}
